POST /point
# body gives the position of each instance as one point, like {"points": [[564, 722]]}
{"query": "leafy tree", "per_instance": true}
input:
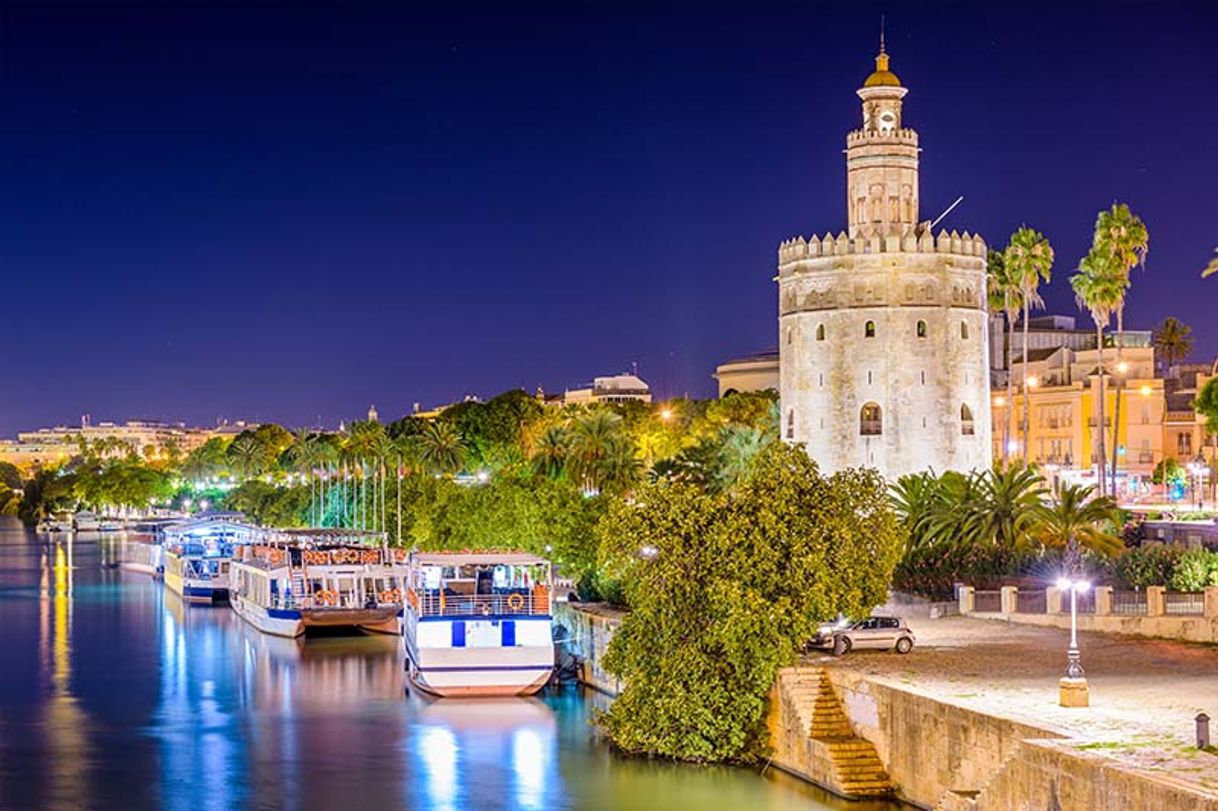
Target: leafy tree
{"points": [[1169, 472], [723, 588], [1206, 405], [1173, 340], [10, 476], [1028, 259], [247, 456], [602, 456], [550, 456]]}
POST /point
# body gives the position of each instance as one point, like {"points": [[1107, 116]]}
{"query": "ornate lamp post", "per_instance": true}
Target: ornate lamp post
{"points": [[1072, 688]]}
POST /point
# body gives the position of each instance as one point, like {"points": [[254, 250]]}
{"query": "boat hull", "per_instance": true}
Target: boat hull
{"points": [[275, 621], [436, 666], [195, 591]]}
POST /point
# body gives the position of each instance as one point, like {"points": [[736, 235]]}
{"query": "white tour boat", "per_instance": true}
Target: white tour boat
{"points": [[479, 623], [198, 553], [319, 578]]}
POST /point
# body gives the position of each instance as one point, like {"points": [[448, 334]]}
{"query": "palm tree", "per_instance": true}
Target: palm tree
{"points": [[1072, 519], [592, 440], [740, 447], [550, 455], [439, 448], [1212, 268], [1098, 287], [1173, 339], [1029, 260], [1124, 236], [247, 455], [1004, 294]]}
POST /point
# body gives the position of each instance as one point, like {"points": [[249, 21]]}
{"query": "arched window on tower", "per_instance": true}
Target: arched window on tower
{"points": [[820, 332], [964, 330], [869, 329], [921, 329], [871, 421], [791, 424], [966, 421]]}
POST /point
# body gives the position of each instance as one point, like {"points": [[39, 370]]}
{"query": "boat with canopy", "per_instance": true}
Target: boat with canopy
{"points": [[479, 623], [198, 553], [296, 579]]}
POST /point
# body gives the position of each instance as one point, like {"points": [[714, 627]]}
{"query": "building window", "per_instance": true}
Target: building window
{"points": [[791, 424], [790, 334], [964, 330], [869, 329], [921, 329], [821, 379], [820, 332], [923, 377], [1184, 444], [869, 378], [871, 421], [966, 421]]}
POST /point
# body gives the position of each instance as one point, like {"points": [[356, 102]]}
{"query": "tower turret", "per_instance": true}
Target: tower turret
{"points": [[882, 159]]}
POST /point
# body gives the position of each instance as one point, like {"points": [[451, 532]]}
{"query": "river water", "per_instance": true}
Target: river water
{"points": [[114, 694]]}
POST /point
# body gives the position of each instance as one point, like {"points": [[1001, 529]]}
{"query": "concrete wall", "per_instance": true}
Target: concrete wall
{"points": [[589, 627]]}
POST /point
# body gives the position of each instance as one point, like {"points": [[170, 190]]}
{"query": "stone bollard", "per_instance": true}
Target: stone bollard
{"points": [[1053, 600], [1103, 600], [1203, 730], [966, 599], [1155, 601], [1010, 599], [1211, 602]]}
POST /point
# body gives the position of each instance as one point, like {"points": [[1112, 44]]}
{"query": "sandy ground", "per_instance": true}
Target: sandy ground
{"points": [[1144, 693]]}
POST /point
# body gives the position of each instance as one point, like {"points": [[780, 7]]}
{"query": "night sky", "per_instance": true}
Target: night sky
{"points": [[290, 211]]}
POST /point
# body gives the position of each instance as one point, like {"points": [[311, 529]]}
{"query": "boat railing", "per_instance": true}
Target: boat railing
{"points": [[328, 599], [535, 602]]}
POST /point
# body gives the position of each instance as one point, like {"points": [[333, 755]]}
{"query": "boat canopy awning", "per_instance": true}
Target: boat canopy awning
{"points": [[477, 559]]}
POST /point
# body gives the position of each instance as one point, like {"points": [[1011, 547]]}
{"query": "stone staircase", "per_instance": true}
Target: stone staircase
{"points": [[856, 764]]}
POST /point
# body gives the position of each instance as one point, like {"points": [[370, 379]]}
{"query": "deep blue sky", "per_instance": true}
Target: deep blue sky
{"points": [[286, 211]]}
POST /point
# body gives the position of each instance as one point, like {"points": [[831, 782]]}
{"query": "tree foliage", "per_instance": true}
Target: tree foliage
{"points": [[723, 586]]}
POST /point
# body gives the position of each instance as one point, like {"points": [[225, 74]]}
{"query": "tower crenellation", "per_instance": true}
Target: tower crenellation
{"points": [[883, 359]]}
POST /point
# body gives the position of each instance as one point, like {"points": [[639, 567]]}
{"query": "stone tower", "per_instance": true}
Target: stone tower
{"points": [[883, 356]]}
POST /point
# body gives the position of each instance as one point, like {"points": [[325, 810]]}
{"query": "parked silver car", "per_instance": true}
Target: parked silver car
{"points": [[877, 633]]}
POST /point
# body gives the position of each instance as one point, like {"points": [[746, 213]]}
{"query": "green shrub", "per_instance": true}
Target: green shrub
{"points": [[1150, 565], [1195, 569]]}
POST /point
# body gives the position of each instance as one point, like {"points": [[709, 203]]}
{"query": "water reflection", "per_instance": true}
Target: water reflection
{"points": [[116, 694]]}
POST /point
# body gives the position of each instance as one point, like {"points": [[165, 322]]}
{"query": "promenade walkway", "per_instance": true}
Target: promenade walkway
{"points": [[1144, 692]]}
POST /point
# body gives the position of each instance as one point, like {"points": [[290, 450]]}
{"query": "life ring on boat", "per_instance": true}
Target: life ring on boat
{"points": [[326, 597], [515, 602], [391, 596]]}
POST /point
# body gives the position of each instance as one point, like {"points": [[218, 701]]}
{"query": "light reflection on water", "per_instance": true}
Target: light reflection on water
{"points": [[115, 694]]}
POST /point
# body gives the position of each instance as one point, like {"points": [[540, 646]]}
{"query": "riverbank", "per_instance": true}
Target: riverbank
{"points": [[973, 712]]}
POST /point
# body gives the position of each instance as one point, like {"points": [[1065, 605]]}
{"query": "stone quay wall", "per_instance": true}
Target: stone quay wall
{"points": [[1153, 613], [588, 627], [949, 758]]}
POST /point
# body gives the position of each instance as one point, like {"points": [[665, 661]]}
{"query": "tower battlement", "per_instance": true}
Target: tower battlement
{"points": [[864, 137], [948, 242]]}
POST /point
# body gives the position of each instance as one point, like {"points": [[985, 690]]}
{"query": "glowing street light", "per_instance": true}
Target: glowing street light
{"points": [[1073, 688], [1032, 382], [666, 414]]}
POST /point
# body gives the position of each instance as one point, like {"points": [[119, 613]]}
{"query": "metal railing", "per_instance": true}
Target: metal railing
{"points": [[1030, 602], [515, 603], [1184, 603], [1129, 603], [987, 601]]}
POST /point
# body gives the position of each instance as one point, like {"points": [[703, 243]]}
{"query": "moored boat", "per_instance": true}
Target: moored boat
{"points": [[299, 579], [479, 623], [198, 554], [86, 522]]}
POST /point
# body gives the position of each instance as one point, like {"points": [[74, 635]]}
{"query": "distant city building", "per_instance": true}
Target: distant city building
{"points": [[883, 339], [1060, 382], [749, 373], [1046, 332], [372, 415], [53, 446], [610, 389]]}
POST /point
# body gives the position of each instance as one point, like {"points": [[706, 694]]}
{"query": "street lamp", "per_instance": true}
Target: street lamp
{"points": [[1072, 689]]}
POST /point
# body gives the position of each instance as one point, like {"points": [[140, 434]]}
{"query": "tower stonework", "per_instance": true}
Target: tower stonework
{"points": [[883, 345]]}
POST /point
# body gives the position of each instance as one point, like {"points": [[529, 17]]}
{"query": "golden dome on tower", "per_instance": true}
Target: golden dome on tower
{"points": [[882, 77]]}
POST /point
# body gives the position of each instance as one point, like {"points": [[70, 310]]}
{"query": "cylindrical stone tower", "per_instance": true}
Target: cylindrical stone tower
{"points": [[883, 352]]}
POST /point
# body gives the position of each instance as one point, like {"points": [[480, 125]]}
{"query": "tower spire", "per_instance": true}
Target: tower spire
{"points": [[881, 33]]}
